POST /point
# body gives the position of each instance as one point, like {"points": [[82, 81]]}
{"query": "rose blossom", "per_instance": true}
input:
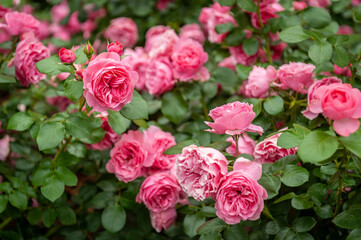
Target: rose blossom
{"points": [[241, 57], [139, 62], [157, 142], [163, 4], [159, 192], [156, 30], [299, 6], [161, 44], [108, 82], [267, 12], [245, 145], [250, 167], [66, 55], [159, 76], [355, 2], [342, 103], [164, 219], [345, 30], [192, 31], [296, 75], [127, 157], [233, 119], [4, 147], [199, 171], [314, 99], [27, 53], [60, 11], [319, 3], [115, 47], [228, 62], [123, 30], [258, 83], [342, 71], [18, 23], [60, 102], [267, 151], [188, 59], [239, 197]]}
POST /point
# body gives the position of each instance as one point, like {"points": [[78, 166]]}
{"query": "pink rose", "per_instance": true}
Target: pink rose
{"points": [[18, 23], [164, 219], [241, 57], [188, 60], [162, 5], [60, 102], [299, 6], [161, 44], [314, 98], [127, 157], [252, 168], [27, 53], [66, 55], [258, 83], [233, 119], [200, 170], [156, 30], [192, 31], [43, 30], [267, 151], [115, 47], [139, 62], [157, 142], [4, 147], [245, 145], [159, 192], [60, 11], [74, 25], [239, 197], [212, 16], [267, 12], [123, 30], [159, 76], [319, 3], [296, 75], [89, 25], [355, 2], [228, 62], [108, 82], [79, 74], [345, 30], [342, 103], [342, 71]]}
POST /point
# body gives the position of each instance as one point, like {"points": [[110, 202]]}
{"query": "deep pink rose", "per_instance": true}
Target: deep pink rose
{"points": [[108, 82], [252, 168], [296, 75], [233, 119], [200, 170], [245, 145], [241, 57], [267, 12], [4, 147], [66, 55], [299, 6], [18, 23], [127, 157], [342, 71], [60, 102], [159, 192], [342, 103], [259, 81], [267, 151], [60, 11], [115, 47], [164, 219], [319, 3], [159, 76], [123, 30], [27, 53], [188, 60], [314, 98], [212, 16], [355, 2], [157, 142], [228, 62], [79, 74], [239, 198], [162, 5], [139, 61], [345, 30], [161, 44], [192, 31]]}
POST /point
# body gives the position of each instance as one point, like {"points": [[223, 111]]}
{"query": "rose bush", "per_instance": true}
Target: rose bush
{"points": [[170, 119]]}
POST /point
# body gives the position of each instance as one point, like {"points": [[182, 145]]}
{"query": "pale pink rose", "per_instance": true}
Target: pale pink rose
{"points": [[115, 47], [319, 3], [123, 30], [299, 6], [109, 138], [188, 59], [241, 57], [200, 170], [252, 168], [267, 151], [66, 55], [259, 81], [159, 76], [108, 82], [245, 145], [139, 61], [27, 53], [342, 103], [163, 4], [159, 192], [212, 16], [164, 219], [239, 198], [228, 62], [4, 147], [161, 44], [192, 31], [345, 30], [267, 12], [59, 12], [127, 157], [342, 71], [63, 76], [296, 75], [157, 142], [233, 118], [16, 23], [314, 98], [156, 30], [60, 102], [355, 2]]}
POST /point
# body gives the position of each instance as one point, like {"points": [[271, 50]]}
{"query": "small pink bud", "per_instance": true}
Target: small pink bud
{"points": [[115, 47], [299, 6], [79, 74], [66, 56]]}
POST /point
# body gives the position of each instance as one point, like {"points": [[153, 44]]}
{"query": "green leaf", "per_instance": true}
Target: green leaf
{"points": [[80, 57], [273, 227], [301, 202], [177, 149], [67, 159], [52, 66], [317, 17], [20, 121], [250, 46], [320, 52], [136, 109], [73, 89], [226, 2], [236, 37], [349, 219], [303, 224], [271, 183], [243, 71], [317, 146], [5, 187], [340, 57], [354, 234], [174, 106], [53, 188], [224, 27], [288, 196], [289, 140], [50, 135], [66, 215], [247, 5], [18, 199], [324, 212], [356, 13], [352, 143], [293, 34], [113, 218], [214, 225], [273, 105], [117, 122], [209, 88], [69, 178], [285, 234], [78, 125], [211, 236], [3, 202], [40, 176], [7, 79], [107, 185], [225, 76], [220, 145], [48, 217], [294, 176], [280, 164], [235, 232], [338, 40], [191, 223], [207, 211], [34, 216]]}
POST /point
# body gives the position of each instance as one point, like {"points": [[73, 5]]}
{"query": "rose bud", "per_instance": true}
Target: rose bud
{"points": [[79, 74], [66, 55], [88, 50], [115, 47]]}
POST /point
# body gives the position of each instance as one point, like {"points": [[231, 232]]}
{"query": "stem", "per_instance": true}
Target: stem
{"points": [[13, 47], [353, 73], [81, 104], [340, 184], [5, 222], [63, 146], [267, 212], [52, 230], [204, 106], [236, 138], [265, 36]]}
